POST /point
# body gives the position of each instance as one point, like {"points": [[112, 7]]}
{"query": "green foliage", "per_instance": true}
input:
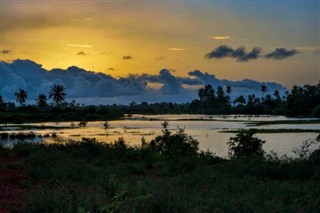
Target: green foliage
{"points": [[303, 152], [245, 145], [316, 112], [177, 144], [303, 100], [315, 155], [89, 176]]}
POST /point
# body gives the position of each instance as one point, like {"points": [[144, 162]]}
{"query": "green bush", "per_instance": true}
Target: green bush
{"points": [[245, 145], [178, 144], [316, 112]]}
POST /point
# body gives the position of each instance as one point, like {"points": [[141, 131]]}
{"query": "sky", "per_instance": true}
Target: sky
{"points": [[276, 41]]}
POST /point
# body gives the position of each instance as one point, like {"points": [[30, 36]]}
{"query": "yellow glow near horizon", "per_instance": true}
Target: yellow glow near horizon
{"points": [[96, 36]]}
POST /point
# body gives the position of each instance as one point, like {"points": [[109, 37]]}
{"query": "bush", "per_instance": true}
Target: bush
{"points": [[316, 112], [245, 145], [178, 144], [315, 155]]}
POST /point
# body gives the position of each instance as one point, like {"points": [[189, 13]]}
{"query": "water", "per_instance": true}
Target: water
{"points": [[205, 128]]}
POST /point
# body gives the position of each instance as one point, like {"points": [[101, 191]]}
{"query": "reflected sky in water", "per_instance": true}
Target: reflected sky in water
{"points": [[206, 131]]}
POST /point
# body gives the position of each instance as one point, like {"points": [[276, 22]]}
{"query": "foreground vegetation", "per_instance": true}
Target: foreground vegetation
{"points": [[166, 174]]}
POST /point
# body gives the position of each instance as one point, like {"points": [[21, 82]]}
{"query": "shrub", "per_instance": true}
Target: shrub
{"points": [[315, 155], [178, 144], [245, 145], [82, 124]]}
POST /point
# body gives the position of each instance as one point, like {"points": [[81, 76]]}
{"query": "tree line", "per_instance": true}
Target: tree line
{"points": [[299, 101]]}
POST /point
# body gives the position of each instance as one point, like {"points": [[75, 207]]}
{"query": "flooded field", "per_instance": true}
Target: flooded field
{"points": [[208, 130]]}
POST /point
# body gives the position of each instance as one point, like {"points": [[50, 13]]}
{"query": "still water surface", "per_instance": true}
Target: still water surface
{"points": [[205, 128]]}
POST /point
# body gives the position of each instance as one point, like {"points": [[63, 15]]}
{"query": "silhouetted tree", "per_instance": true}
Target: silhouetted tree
{"points": [[240, 100], [263, 89], [220, 94], [42, 100], [245, 145], [21, 96], [303, 100], [206, 93], [57, 93], [2, 103], [228, 90]]}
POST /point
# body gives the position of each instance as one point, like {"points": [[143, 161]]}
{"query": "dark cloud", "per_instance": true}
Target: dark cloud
{"points": [[281, 53], [127, 57], [111, 68], [81, 83], [82, 53], [5, 51], [220, 52], [240, 53]]}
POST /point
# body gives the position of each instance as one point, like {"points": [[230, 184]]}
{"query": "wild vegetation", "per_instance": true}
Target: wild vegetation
{"points": [[166, 174]]}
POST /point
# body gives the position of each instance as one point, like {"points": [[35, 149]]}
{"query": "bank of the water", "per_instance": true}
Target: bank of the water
{"points": [[93, 177], [212, 134]]}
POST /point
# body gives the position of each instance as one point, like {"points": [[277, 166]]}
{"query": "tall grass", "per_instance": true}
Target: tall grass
{"points": [[89, 176]]}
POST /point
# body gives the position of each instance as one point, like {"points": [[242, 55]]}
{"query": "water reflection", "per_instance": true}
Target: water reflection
{"points": [[205, 128]]}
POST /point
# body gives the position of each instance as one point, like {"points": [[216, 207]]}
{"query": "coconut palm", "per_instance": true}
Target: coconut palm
{"points": [[21, 96], [228, 90], [263, 89], [42, 100], [2, 103], [57, 93]]}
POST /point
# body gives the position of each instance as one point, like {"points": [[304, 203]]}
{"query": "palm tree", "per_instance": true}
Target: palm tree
{"points": [[57, 93], [228, 90], [2, 103], [21, 96], [42, 100], [263, 89]]}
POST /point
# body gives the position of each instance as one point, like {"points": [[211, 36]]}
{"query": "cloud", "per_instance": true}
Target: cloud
{"points": [[5, 51], [219, 37], [81, 83], [176, 49], [111, 69], [240, 53], [281, 53], [127, 57], [80, 45], [82, 53]]}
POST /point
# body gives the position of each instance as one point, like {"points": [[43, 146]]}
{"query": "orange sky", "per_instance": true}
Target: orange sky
{"points": [[120, 38]]}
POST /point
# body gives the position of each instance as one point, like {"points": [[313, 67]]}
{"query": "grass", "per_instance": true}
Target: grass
{"points": [[88, 176], [269, 131]]}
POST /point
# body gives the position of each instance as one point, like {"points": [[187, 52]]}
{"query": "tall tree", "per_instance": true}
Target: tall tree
{"points": [[240, 100], [2, 103], [206, 93], [220, 94], [42, 100], [263, 89], [228, 90], [57, 93], [21, 96]]}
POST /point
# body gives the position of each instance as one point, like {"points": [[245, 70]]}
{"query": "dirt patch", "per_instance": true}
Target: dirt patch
{"points": [[11, 183]]}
